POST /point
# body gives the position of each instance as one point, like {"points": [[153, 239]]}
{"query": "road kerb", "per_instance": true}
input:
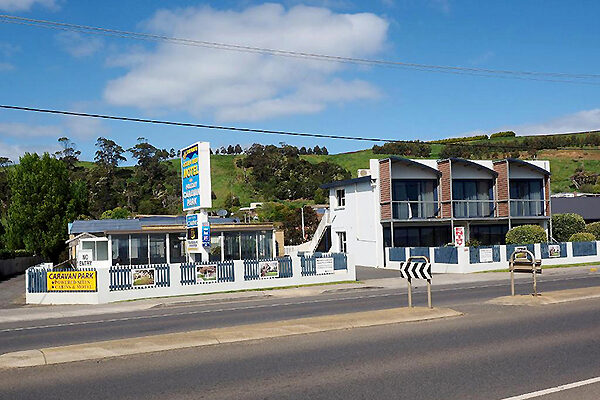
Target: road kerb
{"points": [[207, 337], [554, 297]]}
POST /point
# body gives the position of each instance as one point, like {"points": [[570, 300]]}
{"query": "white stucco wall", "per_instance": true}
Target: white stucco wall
{"points": [[358, 218]]}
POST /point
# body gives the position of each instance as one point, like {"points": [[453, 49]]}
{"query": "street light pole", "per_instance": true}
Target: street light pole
{"points": [[303, 234]]}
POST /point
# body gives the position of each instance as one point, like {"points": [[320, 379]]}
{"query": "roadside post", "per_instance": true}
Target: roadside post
{"points": [[412, 269], [522, 260]]}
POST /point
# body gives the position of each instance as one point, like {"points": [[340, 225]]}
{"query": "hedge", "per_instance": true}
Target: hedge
{"points": [[526, 234], [594, 229], [503, 134], [582, 237], [565, 225]]}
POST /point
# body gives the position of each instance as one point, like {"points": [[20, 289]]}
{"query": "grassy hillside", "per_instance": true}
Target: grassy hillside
{"points": [[227, 178]]}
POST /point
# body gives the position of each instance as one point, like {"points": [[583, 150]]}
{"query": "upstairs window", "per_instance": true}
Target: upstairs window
{"points": [[340, 196], [343, 244]]}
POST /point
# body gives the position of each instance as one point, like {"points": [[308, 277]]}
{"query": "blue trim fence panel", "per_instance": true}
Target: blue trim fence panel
{"points": [[419, 251], [120, 278], [225, 272], [546, 253], [581, 249], [36, 280], [397, 253], [445, 255], [308, 265], [285, 267], [474, 254], [340, 261]]}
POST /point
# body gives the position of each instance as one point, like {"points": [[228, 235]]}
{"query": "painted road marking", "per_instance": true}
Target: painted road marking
{"points": [[141, 317], [555, 389]]}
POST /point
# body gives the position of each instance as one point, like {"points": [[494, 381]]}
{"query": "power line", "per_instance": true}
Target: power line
{"points": [[261, 131], [482, 72]]}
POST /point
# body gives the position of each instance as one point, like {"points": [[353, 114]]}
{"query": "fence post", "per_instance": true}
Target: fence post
{"points": [[238, 272], [296, 267]]}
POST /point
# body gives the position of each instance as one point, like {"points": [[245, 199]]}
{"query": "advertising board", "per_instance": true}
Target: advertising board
{"points": [[71, 281], [459, 236], [206, 273], [324, 265], [268, 269], [195, 176], [486, 255], [143, 277], [192, 238], [554, 250]]}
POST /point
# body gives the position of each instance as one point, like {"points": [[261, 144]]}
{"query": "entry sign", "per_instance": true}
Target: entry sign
{"points": [[459, 236], [195, 176], [191, 224], [205, 234]]}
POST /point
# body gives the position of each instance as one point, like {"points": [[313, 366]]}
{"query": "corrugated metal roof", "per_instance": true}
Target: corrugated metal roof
{"points": [[136, 224], [105, 225]]}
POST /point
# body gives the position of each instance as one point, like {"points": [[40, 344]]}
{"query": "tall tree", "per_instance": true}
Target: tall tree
{"points": [[43, 201], [69, 153], [109, 154]]}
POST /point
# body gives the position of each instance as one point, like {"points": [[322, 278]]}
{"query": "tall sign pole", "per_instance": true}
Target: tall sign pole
{"points": [[196, 193]]}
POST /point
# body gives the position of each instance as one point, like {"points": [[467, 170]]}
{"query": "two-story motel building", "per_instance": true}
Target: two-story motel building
{"points": [[401, 202]]}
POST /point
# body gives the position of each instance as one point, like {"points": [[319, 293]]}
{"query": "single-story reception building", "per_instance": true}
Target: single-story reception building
{"points": [[161, 239]]}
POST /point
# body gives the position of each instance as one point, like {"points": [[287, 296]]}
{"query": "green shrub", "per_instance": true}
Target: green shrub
{"points": [[473, 243], [6, 254], [594, 229], [526, 234], [503, 134], [565, 225], [582, 237], [23, 253]]}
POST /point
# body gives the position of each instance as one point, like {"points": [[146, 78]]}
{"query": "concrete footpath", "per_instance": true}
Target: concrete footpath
{"points": [[375, 279], [207, 337]]}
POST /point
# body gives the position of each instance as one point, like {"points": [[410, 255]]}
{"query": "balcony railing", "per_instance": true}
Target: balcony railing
{"points": [[527, 208], [473, 208], [406, 210]]}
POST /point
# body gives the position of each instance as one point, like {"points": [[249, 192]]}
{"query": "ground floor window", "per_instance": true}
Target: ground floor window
{"points": [[488, 234], [431, 236], [342, 241]]}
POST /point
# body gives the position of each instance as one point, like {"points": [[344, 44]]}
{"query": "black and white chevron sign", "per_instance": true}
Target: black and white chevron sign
{"points": [[415, 270]]}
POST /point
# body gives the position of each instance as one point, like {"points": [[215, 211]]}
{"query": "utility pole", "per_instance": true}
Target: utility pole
{"points": [[303, 234]]}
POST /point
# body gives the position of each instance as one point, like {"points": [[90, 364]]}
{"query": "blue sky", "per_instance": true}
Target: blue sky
{"points": [[66, 70]]}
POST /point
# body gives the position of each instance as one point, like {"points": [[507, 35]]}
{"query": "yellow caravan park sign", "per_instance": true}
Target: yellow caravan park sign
{"points": [[71, 281]]}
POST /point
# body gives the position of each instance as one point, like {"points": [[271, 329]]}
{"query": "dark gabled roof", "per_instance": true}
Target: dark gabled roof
{"points": [[473, 164], [410, 162], [529, 165], [346, 182], [587, 207]]}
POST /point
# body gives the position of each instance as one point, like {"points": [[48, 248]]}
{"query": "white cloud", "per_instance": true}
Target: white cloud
{"points": [[21, 130], [79, 45], [585, 120], [14, 151], [25, 5], [249, 86]]}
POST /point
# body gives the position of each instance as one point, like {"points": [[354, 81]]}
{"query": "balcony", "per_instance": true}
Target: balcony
{"points": [[527, 208], [409, 210], [473, 208]]}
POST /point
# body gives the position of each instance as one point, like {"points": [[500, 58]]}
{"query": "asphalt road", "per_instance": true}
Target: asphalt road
{"points": [[203, 315], [492, 352]]}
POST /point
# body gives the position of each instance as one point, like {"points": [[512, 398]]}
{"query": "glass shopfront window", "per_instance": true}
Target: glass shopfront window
{"points": [[249, 248], [214, 253], [158, 249], [265, 244], [120, 249], [177, 248], [488, 234], [417, 236], [139, 249], [231, 246]]}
